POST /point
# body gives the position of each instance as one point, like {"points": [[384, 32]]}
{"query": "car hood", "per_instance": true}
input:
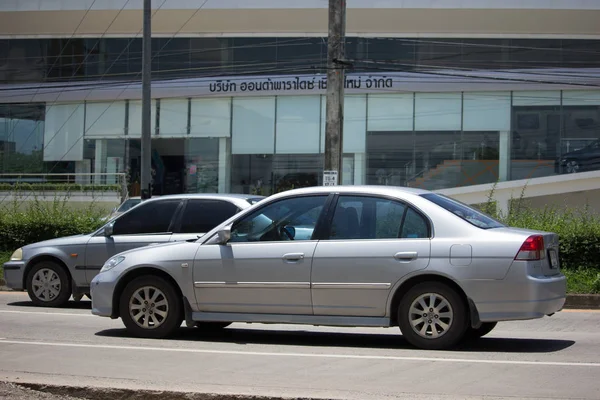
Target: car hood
{"points": [[62, 241]]}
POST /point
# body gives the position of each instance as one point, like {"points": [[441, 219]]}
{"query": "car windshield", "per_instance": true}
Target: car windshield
{"points": [[467, 213], [129, 204]]}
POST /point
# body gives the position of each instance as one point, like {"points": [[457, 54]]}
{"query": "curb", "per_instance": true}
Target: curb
{"points": [[100, 393], [583, 301]]}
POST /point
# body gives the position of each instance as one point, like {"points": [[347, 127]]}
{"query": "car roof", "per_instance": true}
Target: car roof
{"points": [[207, 196], [362, 189]]}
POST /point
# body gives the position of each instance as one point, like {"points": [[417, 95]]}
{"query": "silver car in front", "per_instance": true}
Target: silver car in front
{"points": [[343, 256]]}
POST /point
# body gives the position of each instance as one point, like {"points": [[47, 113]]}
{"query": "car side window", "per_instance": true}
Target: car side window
{"points": [[287, 219], [415, 226], [149, 217], [200, 216], [362, 217]]}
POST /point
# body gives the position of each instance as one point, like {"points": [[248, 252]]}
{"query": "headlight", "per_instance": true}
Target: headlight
{"points": [[17, 255], [113, 262]]}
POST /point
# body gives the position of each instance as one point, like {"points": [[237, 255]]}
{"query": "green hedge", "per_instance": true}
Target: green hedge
{"points": [[58, 187], [40, 220]]}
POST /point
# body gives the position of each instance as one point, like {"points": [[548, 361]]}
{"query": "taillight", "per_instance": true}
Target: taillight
{"points": [[532, 249]]}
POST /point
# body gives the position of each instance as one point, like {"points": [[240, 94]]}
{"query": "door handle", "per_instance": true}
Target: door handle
{"points": [[406, 256], [293, 256]]}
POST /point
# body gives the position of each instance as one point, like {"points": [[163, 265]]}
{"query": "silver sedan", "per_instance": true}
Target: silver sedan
{"points": [[345, 256]]}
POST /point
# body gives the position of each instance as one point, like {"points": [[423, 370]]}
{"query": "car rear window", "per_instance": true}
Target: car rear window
{"points": [[467, 213]]}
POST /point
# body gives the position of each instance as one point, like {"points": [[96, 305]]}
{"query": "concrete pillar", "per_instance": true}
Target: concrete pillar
{"points": [[502, 205], [504, 157], [224, 166], [100, 161]]}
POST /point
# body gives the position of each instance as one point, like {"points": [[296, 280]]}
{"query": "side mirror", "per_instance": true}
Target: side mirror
{"points": [[224, 235], [290, 231], [109, 229]]}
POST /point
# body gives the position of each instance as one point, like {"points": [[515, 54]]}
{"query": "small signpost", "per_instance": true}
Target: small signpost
{"points": [[330, 178]]}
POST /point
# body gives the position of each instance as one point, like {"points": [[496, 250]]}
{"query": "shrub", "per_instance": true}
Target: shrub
{"points": [[58, 187], [578, 228], [40, 220]]}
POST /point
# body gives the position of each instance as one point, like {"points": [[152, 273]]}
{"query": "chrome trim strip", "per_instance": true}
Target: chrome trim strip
{"points": [[253, 285], [334, 285]]}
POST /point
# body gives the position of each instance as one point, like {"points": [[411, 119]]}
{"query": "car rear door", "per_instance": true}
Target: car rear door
{"points": [[373, 242], [150, 222], [200, 216]]}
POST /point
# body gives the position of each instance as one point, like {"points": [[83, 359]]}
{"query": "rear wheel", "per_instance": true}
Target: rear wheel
{"points": [[572, 166], [150, 308], [48, 285], [484, 329], [432, 316]]}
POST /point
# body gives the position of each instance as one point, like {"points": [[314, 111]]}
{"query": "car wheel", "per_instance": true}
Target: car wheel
{"points": [[150, 307], [484, 329], [432, 316], [48, 284], [572, 166], [211, 326]]}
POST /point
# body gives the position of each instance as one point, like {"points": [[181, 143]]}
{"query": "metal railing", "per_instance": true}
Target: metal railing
{"points": [[72, 182]]}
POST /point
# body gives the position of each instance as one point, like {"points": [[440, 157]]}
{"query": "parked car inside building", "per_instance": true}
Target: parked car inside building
{"points": [[343, 256], [53, 270]]}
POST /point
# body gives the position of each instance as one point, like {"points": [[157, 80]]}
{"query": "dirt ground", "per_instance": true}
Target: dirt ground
{"points": [[15, 392]]}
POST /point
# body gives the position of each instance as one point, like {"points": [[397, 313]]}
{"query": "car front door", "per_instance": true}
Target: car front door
{"points": [[372, 243], [265, 267], [200, 216], [150, 222]]}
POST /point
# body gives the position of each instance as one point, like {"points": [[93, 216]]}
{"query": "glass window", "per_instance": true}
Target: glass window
{"points": [[151, 217], [210, 117], [486, 111], [63, 133], [415, 226], [467, 213], [355, 123], [298, 124], [288, 219], [173, 117], [135, 118], [253, 125], [359, 217], [438, 111], [200, 216], [128, 204], [390, 112], [105, 119]]}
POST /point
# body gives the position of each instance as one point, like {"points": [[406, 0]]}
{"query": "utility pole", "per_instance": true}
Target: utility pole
{"points": [[334, 112], [146, 165]]}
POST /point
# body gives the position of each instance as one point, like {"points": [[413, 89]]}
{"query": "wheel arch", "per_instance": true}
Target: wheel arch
{"points": [[404, 287], [50, 258], [136, 273]]}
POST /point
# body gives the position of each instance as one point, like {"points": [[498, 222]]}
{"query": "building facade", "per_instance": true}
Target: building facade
{"points": [[442, 95]]}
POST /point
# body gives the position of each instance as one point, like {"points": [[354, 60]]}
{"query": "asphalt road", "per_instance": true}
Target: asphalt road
{"points": [[556, 357]]}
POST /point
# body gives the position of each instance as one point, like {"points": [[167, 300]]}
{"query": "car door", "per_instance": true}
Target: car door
{"points": [[373, 242], [200, 216], [265, 267], [150, 222]]}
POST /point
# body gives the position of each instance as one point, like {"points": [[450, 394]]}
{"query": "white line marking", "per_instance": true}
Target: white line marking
{"points": [[307, 355], [46, 313]]}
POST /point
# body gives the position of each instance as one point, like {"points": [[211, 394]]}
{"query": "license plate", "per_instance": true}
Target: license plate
{"points": [[553, 259]]}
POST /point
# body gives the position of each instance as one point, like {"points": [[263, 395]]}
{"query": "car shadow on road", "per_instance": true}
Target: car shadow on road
{"points": [[71, 305], [356, 340]]}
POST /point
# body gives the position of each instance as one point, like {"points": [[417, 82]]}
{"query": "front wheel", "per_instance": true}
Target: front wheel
{"points": [[150, 308], [48, 285], [432, 316]]}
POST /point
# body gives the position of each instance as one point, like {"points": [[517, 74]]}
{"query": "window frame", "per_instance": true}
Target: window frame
{"points": [[407, 205], [176, 215], [317, 232], [178, 223]]}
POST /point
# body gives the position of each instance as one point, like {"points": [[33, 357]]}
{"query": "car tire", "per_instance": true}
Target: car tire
{"points": [[150, 307], [212, 326], [572, 167], [436, 326], [48, 284], [476, 333]]}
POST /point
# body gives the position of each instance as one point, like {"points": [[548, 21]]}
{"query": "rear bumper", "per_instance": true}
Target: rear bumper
{"points": [[533, 297], [13, 274]]}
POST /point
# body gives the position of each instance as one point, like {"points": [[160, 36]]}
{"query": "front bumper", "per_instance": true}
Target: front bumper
{"points": [[507, 300], [14, 274], [102, 289]]}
